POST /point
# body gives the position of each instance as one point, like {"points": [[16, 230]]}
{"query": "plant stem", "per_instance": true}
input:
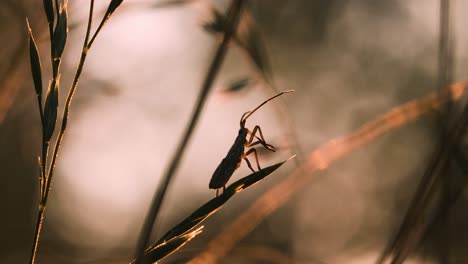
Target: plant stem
{"points": [[37, 234], [234, 14], [48, 178], [45, 145], [64, 121], [45, 149]]}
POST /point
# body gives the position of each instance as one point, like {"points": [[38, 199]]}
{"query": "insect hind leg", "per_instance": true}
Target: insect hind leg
{"points": [[248, 164], [261, 139], [250, 151], [264, 144]]}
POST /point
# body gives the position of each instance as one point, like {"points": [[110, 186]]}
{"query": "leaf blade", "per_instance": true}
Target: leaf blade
{"points": [[113, 5], [164, 250], [50, 111], [60, 36], [34, 58], [213, 205], [49, 11]]}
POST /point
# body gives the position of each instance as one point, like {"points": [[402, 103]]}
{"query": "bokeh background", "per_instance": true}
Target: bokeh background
{"points": [[348, 61]]}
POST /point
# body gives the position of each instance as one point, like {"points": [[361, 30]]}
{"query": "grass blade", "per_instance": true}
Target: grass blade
{"points": [[49, 11], [165, 249], [212, 206], [50, 112], [184, 231]]}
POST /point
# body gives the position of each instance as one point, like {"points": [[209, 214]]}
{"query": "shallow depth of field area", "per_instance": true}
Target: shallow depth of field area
{"points": [[366, 161]]}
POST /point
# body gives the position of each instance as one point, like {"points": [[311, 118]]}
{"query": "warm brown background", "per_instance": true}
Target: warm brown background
{"points": [[349, 61]]}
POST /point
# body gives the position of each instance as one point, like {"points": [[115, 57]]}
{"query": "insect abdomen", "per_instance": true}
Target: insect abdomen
{"points": [[229, 164], [223, 173]]}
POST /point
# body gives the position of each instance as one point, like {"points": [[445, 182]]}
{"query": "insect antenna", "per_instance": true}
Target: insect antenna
{"points": [[249, 113]]}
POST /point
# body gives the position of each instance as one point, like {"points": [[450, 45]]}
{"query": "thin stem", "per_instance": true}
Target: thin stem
{"points": [[66, 110], [414, 225], [233, 13], [103, 21], [55, 62], [431, 180], [48, 179], [57, 8], [37, 234], [44, 148]]}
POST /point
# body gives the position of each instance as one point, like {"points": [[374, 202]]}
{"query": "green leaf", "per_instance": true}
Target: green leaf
{"points": [[49, 11], [60, 34], [35, 63], [165, 249], [50, 111]]}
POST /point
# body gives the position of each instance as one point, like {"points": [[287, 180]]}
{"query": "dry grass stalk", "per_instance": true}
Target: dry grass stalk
{"points": [[58, 32]]}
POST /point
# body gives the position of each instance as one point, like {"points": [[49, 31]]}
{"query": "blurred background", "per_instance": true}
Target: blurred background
{"points": [[349, 61]]}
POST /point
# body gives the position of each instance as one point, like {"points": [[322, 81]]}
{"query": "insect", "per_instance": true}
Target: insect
{"points": [[237, 152]]}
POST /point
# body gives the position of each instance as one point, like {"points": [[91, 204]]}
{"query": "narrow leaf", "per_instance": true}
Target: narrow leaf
{"points": [[60, 34], [35, 63], [50, 111], [215, 204], [49, 11], [165, 249], [112, 7], [196, 217], [254, 178]]}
